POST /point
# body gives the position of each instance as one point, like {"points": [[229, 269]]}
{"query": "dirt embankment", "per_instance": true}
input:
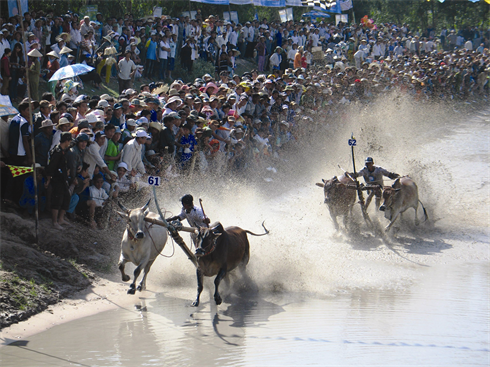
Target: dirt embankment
{"points": [[34, 276]]}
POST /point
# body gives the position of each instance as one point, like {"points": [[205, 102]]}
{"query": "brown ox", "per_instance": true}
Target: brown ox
{"points": [[340, 197], [403, 194], [218, 252]]}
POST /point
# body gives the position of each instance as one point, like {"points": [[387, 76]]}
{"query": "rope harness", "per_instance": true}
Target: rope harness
{"points": [[133, 238], [211, 249]]}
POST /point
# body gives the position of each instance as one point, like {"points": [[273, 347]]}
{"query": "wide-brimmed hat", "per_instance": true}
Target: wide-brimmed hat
{"points": [[174, 99], [60, 37], [64, 121], [35, 53], [210, 85], [173, 92], [156, 125], [47, 123]]}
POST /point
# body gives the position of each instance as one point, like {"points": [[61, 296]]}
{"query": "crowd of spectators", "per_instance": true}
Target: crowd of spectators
{"points": [[89, 149]]}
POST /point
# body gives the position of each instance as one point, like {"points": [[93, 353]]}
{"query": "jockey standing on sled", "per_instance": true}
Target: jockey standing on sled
{"points": [[194, 215], [373, 175]]}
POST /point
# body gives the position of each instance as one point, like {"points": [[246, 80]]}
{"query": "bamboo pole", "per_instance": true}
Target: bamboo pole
{"points": [[31, 126]]}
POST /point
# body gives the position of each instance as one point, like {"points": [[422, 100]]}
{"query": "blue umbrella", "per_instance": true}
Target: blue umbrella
{"points": [[70, 71]]}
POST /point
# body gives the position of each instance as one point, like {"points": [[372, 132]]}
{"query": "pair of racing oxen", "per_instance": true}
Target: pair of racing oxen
{"points": [[340, 197], [220, 250]]}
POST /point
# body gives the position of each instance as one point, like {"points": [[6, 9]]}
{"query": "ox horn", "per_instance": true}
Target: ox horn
{"points": [[126, 210], [146, 205]]}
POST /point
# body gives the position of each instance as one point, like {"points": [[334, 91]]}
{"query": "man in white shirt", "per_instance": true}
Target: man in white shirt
{"points": [[222, 39], [315, 38], [250, 33], [232, 36], [194, 215], [131, 154], [86, 27], [164, 49], [398, 50], [292, 54], [376, 50], [126, 69], [76, 36]]}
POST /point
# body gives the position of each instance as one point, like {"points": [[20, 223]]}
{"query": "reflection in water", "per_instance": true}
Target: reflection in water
{"points": [[249, 310], [443, 320]]}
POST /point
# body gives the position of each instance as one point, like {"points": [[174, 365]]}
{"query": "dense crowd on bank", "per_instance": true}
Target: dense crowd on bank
{"points": [[89, 149]]}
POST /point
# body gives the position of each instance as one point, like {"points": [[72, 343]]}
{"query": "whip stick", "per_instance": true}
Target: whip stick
{"points": [[352, 143], [346, 173], [200, 203]]}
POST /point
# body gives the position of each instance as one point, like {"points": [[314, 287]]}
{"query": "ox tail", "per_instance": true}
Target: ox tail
{"points": [[258, 235], [425, 212]]}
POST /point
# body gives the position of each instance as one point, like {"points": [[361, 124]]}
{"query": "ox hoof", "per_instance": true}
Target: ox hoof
{"points": [[131, 291], [417, 222], [195, 304], [218, 300], [140, 288], [126, 278]]}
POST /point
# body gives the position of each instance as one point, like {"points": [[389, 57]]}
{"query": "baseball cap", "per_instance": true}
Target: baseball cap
{"points": [[141, 134], [122, 165]]}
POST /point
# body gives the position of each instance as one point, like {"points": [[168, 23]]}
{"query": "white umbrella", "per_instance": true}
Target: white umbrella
{"points": [[70, 71]]}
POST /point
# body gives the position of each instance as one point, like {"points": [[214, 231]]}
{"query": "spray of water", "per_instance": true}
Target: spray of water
{"points": [[303, 252]]}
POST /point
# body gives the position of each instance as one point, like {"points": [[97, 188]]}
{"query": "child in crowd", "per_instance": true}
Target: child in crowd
{"points": [[98, 199], [124, 182]]}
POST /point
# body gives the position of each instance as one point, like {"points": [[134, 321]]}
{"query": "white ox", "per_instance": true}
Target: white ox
{"points": [[403, 194], [142, 242]]}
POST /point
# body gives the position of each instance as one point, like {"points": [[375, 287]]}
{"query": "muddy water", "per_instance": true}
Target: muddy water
{"points": [[319, 297], [443, 321]]}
